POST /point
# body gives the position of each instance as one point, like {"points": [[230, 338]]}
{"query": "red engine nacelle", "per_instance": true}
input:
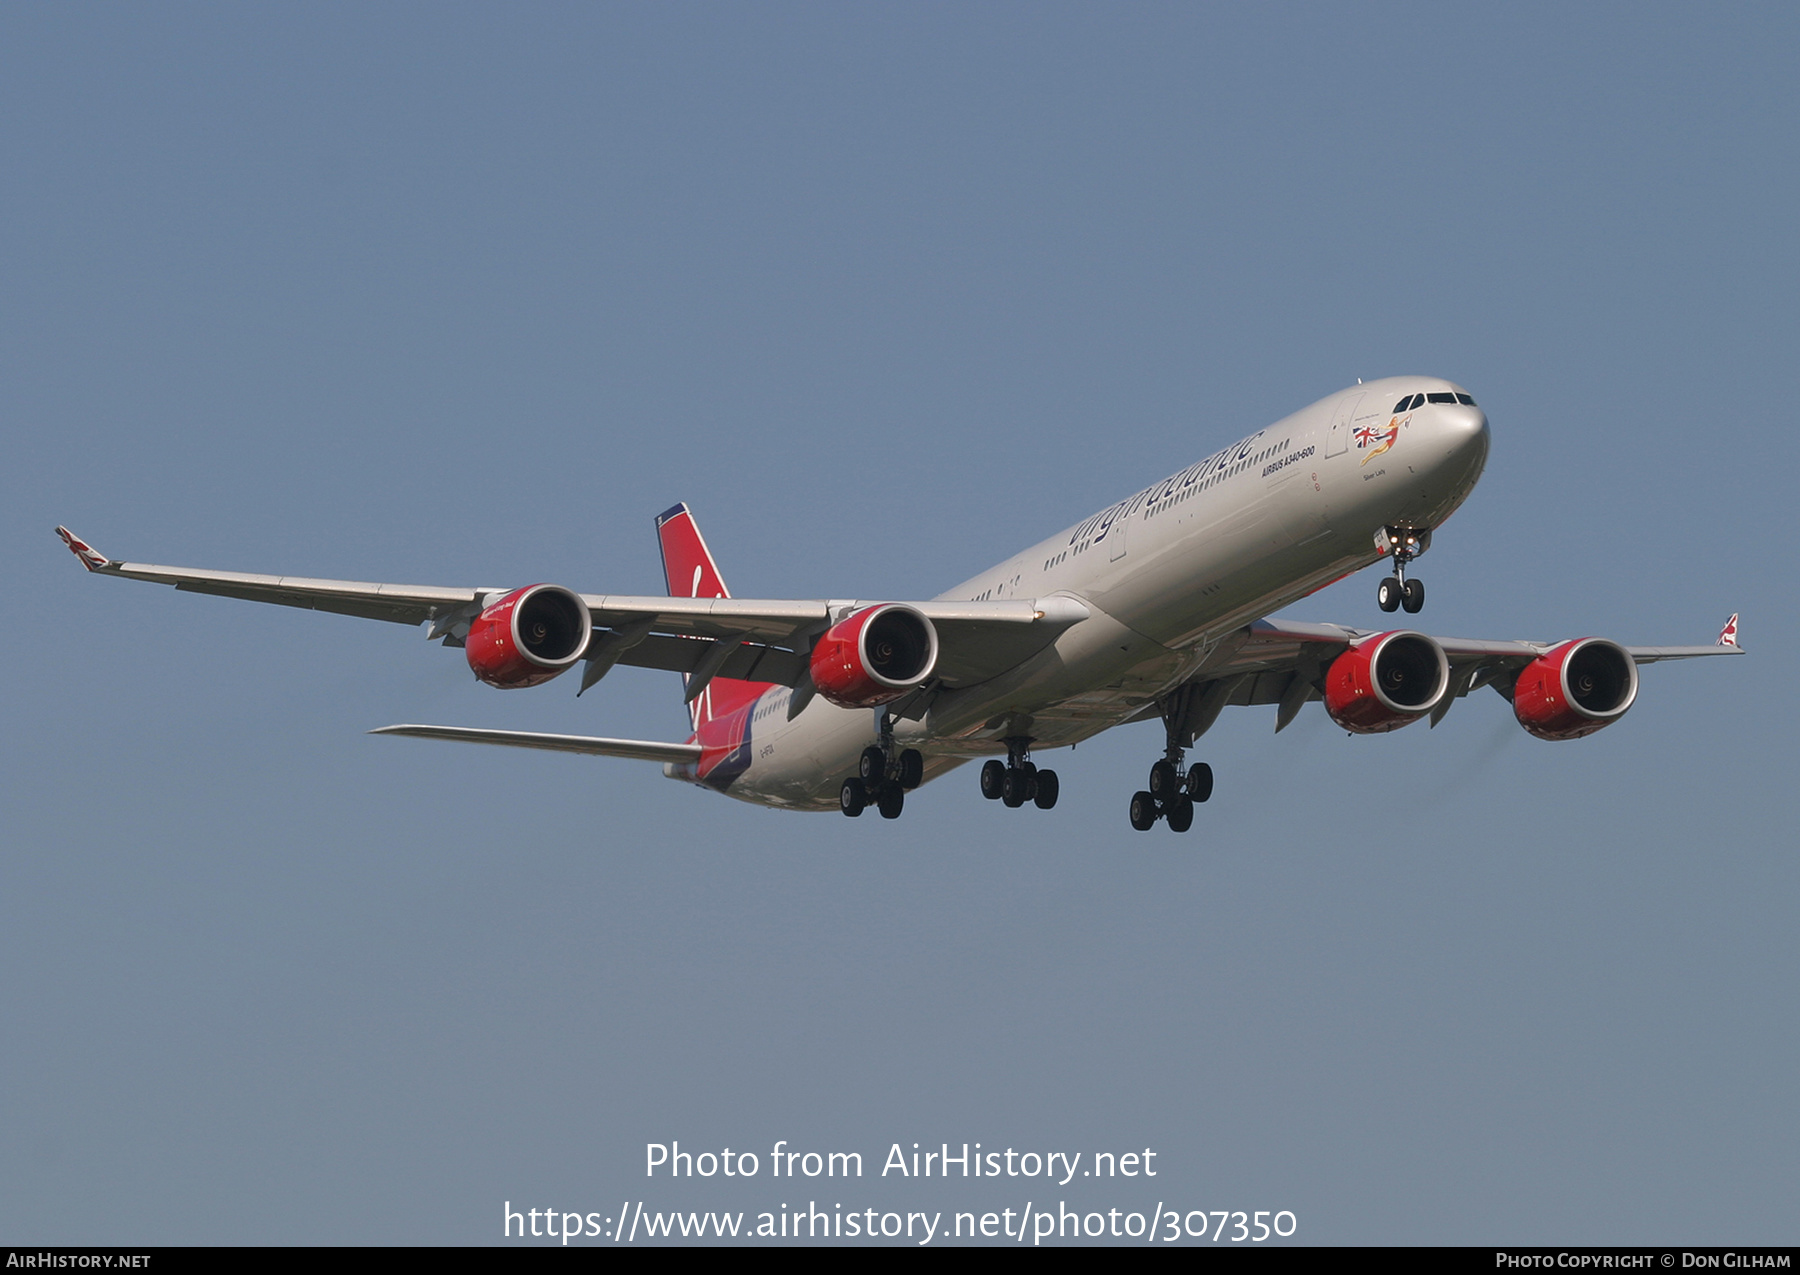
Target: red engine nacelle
{"points": [[528, 637], [1386, 682], [1575, 689], [875, 656]]}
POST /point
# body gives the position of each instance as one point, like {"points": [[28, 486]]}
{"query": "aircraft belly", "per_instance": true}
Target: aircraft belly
{"points": [[801, 765], [1095, 673]]}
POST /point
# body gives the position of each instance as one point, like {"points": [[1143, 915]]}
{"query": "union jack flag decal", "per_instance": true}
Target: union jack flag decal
{"points": [[91, 558], [1728, 634], [1371, 435]]}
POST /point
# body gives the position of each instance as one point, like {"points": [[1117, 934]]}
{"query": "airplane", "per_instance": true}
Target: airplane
{"points": [[1156, 607]]}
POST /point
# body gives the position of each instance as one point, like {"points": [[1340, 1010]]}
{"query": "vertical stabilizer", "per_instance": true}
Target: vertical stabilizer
{"points": [[690, 572]]}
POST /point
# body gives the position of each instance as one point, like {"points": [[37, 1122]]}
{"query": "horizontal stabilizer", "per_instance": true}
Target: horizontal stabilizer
{"points": [[639, 749]]}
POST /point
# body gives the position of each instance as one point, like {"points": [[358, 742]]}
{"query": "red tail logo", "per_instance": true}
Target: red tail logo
{"points": [[690, 572], [688, 566]]}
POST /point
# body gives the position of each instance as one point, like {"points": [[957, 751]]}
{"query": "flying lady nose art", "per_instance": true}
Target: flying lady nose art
{"points": [[1381, 439]]}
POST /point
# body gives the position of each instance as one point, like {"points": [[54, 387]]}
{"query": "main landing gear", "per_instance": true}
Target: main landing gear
{"points": [[883, 777], [1017, 781], [1405, 544], [1172, 795]]}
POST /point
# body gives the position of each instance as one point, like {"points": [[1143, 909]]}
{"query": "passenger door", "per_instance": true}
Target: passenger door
{"points": [[1339, 438]]}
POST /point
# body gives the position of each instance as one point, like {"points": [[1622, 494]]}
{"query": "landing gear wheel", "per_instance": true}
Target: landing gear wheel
{"points": [[912, 768], [993, 779], [1389, 594], [1180, 814], [1199, 781], [1143, 811], [1016, 790], [1412, 596], [852, 797], [1165, 781], [891, 801], [872, 766], [1047, 787]]}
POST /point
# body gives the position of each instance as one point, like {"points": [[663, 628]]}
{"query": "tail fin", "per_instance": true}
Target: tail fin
{"points": [[690, 572]]}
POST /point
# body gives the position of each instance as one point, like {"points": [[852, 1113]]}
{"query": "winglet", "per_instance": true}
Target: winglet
{"points": [[1728, 634], [94, 560]]}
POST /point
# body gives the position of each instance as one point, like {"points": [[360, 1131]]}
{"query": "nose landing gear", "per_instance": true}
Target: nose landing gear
{"points": [[1017, 780], [1405, 544]]}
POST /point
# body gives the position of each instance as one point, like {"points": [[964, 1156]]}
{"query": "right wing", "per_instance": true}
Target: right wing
{"points": [[772, 638]]}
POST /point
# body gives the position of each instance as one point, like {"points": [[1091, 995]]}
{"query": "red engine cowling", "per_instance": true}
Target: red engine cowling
{"points": [[1386, 682], [1575, 689], [875, 656], [528, 637]]}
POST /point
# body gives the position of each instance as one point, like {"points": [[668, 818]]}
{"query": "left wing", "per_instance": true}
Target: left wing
{"points": [[1283, 662]]}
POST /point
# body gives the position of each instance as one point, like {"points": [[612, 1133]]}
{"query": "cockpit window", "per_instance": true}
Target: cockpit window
{"points": [[1465, 400], [1440, 398], [1403, 404]]}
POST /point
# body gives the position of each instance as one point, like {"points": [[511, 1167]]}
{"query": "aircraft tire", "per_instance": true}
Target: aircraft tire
{"points": [[1412, 597], [1143, 811], [872, 766], [1389, 594], [891, 801], [852, 797], [993, 779], [912, 768], [1181, 814], [1165, 781], [1199, 781], [1047, 788], [1017, 788]]}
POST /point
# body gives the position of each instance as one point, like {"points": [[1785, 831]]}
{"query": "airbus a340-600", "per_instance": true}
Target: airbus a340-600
{"points": [[1155, 607]]}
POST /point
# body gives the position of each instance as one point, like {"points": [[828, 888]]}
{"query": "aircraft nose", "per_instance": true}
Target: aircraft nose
{"points": [[1464, 432]]}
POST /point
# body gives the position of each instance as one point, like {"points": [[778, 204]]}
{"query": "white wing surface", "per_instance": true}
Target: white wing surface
{"points": [[977, 640], [1283, 662]]}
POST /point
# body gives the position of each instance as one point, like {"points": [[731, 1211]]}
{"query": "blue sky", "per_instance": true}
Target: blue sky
{"points": [[465, 296]]}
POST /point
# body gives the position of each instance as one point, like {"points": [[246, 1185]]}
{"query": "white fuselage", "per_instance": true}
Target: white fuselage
{"points": [[1165, 574]]}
